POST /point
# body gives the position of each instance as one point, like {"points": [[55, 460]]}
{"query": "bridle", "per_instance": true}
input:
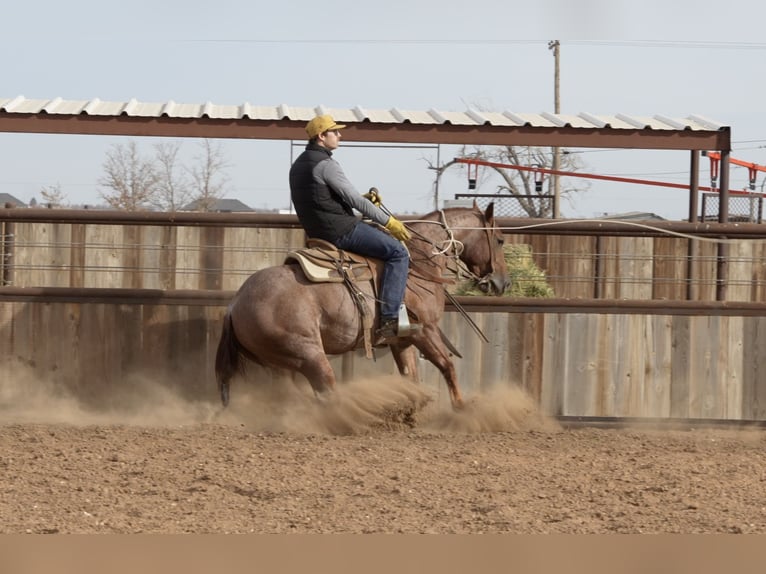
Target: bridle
{"points": [[453, 248]]}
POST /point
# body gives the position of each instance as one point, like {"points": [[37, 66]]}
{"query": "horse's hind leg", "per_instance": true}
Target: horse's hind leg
{"points": [[320, 375]]}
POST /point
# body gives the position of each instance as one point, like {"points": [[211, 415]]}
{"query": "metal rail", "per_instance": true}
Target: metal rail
{"points": [[479, 304], [508, 224], [575, 422]]}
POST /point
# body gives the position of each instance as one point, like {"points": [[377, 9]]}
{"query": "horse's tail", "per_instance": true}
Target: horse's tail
{"points": [[228, 361]]}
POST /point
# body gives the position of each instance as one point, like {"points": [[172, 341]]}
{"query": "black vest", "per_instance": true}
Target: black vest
{"points": [[321, 211]]}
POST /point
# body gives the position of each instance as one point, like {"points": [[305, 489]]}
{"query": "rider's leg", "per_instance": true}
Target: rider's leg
{"points": [[372, 242]]}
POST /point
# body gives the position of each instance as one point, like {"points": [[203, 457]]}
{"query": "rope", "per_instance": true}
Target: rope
{"points": [[447, 246], [620, 222], [444, 246]]}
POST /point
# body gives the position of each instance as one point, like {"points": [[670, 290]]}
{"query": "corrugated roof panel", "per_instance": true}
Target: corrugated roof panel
{"points": [[216, 111], [706, 124], [478, 117], [617, 123], [143, 109], [412, 117], [642, 122], [21, 105], [536, 120], [252, 112], [105, 109], [296, 113], [51, 105], [498, 119], [455, 118], [183, 110], [567, 121], [340, 115], [65, 107], [674, 124], [96, 107], [516, 118], [597, 121]]}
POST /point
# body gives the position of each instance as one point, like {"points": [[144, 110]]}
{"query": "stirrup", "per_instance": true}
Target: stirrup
{"points": [[404, 327]]}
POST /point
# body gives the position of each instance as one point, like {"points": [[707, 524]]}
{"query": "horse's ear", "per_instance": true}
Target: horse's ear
{"points": [[475, 206], [489, 215]]}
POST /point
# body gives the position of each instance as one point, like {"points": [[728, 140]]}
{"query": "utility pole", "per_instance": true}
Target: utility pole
{"points": [[555, 45]]}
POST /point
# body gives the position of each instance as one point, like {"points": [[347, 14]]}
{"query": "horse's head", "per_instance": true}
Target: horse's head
{"points": [[483, 253]]}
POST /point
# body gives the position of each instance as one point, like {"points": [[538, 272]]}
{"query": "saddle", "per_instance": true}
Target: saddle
{"points": [[322, 262]]}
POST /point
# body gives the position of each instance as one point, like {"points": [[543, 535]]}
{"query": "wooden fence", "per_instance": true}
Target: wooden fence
{"points": [[588, 265], [93, 306], [573, 363]]}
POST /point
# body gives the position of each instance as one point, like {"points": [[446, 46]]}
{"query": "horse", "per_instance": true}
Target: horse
{"points": [[280, 319]]}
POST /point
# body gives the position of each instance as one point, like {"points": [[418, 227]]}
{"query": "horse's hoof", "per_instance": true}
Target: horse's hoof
{"points": [[326, 397], [458, 406]]}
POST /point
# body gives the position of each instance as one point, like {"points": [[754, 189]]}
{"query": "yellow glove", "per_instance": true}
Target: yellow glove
{"points": [[374, 196], [397, 229]]}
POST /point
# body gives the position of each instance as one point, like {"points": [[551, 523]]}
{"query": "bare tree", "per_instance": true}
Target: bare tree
{"points": [[173, 189], [131, 181], [533, 199], [52, 195], [208, 177]]}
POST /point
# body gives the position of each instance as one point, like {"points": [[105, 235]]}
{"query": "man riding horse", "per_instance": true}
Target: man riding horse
{"points": [[325, 200]]}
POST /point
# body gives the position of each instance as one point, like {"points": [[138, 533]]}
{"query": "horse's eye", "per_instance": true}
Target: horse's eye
{"points": [[500, 241]]}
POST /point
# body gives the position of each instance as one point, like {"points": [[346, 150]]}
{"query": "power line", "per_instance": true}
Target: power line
{"points": [[684, 44], [672, 44]]}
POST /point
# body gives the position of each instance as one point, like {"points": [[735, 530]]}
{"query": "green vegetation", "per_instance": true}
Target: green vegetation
{"points": [[527, 279]]}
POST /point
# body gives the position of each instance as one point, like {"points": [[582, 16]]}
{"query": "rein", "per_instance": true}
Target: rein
{"points": [[456, 247]]}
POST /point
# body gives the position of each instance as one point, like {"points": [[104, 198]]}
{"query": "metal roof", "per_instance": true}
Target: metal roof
{"points": [[472, 126], [470, 117]]}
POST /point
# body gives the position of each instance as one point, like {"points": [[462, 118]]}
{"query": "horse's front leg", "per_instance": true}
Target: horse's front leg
{"points": [[406, 358], [430, 344]]}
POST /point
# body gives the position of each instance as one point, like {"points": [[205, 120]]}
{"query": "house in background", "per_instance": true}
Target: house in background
{"points": [[633, 216], [218, 206], [8, 199]]}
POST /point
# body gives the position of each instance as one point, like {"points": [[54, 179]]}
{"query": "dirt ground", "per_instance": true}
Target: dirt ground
{"points": [[277, 462]]}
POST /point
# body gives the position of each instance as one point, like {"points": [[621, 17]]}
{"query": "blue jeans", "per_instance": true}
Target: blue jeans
{"points": [[370, 241]]}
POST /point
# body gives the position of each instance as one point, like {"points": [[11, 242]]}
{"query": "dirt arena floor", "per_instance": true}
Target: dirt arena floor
{"points": [[277, 462]]}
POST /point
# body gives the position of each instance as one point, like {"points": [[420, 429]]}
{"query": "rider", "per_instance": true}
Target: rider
{"points": [[324, 200]]}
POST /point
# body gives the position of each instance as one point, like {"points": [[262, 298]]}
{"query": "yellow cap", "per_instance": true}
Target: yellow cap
{"points": [[320, 125]]}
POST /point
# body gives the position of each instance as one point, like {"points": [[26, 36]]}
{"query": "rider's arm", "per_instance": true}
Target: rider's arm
{"points": [[331, 173]]}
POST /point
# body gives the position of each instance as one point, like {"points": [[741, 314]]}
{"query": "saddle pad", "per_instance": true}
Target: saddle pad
{"points": [[320, 266]]}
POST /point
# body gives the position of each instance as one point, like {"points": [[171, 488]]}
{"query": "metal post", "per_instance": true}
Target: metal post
{"points": [[723, 217], [555, 45], [691, 248], [723, 192], [9, 240], [290, 195], [438, 176]]}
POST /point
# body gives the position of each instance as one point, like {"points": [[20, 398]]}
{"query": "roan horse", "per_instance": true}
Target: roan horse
{"points": [[280, 319]]}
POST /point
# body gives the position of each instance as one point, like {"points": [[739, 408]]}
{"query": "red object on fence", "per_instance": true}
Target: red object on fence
{"points": [[477, 162]]}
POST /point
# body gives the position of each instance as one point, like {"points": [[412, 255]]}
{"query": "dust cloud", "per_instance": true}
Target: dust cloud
{"points": [[26, 397], [501, 408], [277, 405]]}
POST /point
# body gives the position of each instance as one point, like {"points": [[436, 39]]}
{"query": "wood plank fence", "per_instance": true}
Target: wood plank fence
{"points": [[706, 365], [73, 314], [589, 265]]}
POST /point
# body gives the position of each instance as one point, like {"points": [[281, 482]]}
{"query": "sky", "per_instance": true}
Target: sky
{"points": [[637, 58]]}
